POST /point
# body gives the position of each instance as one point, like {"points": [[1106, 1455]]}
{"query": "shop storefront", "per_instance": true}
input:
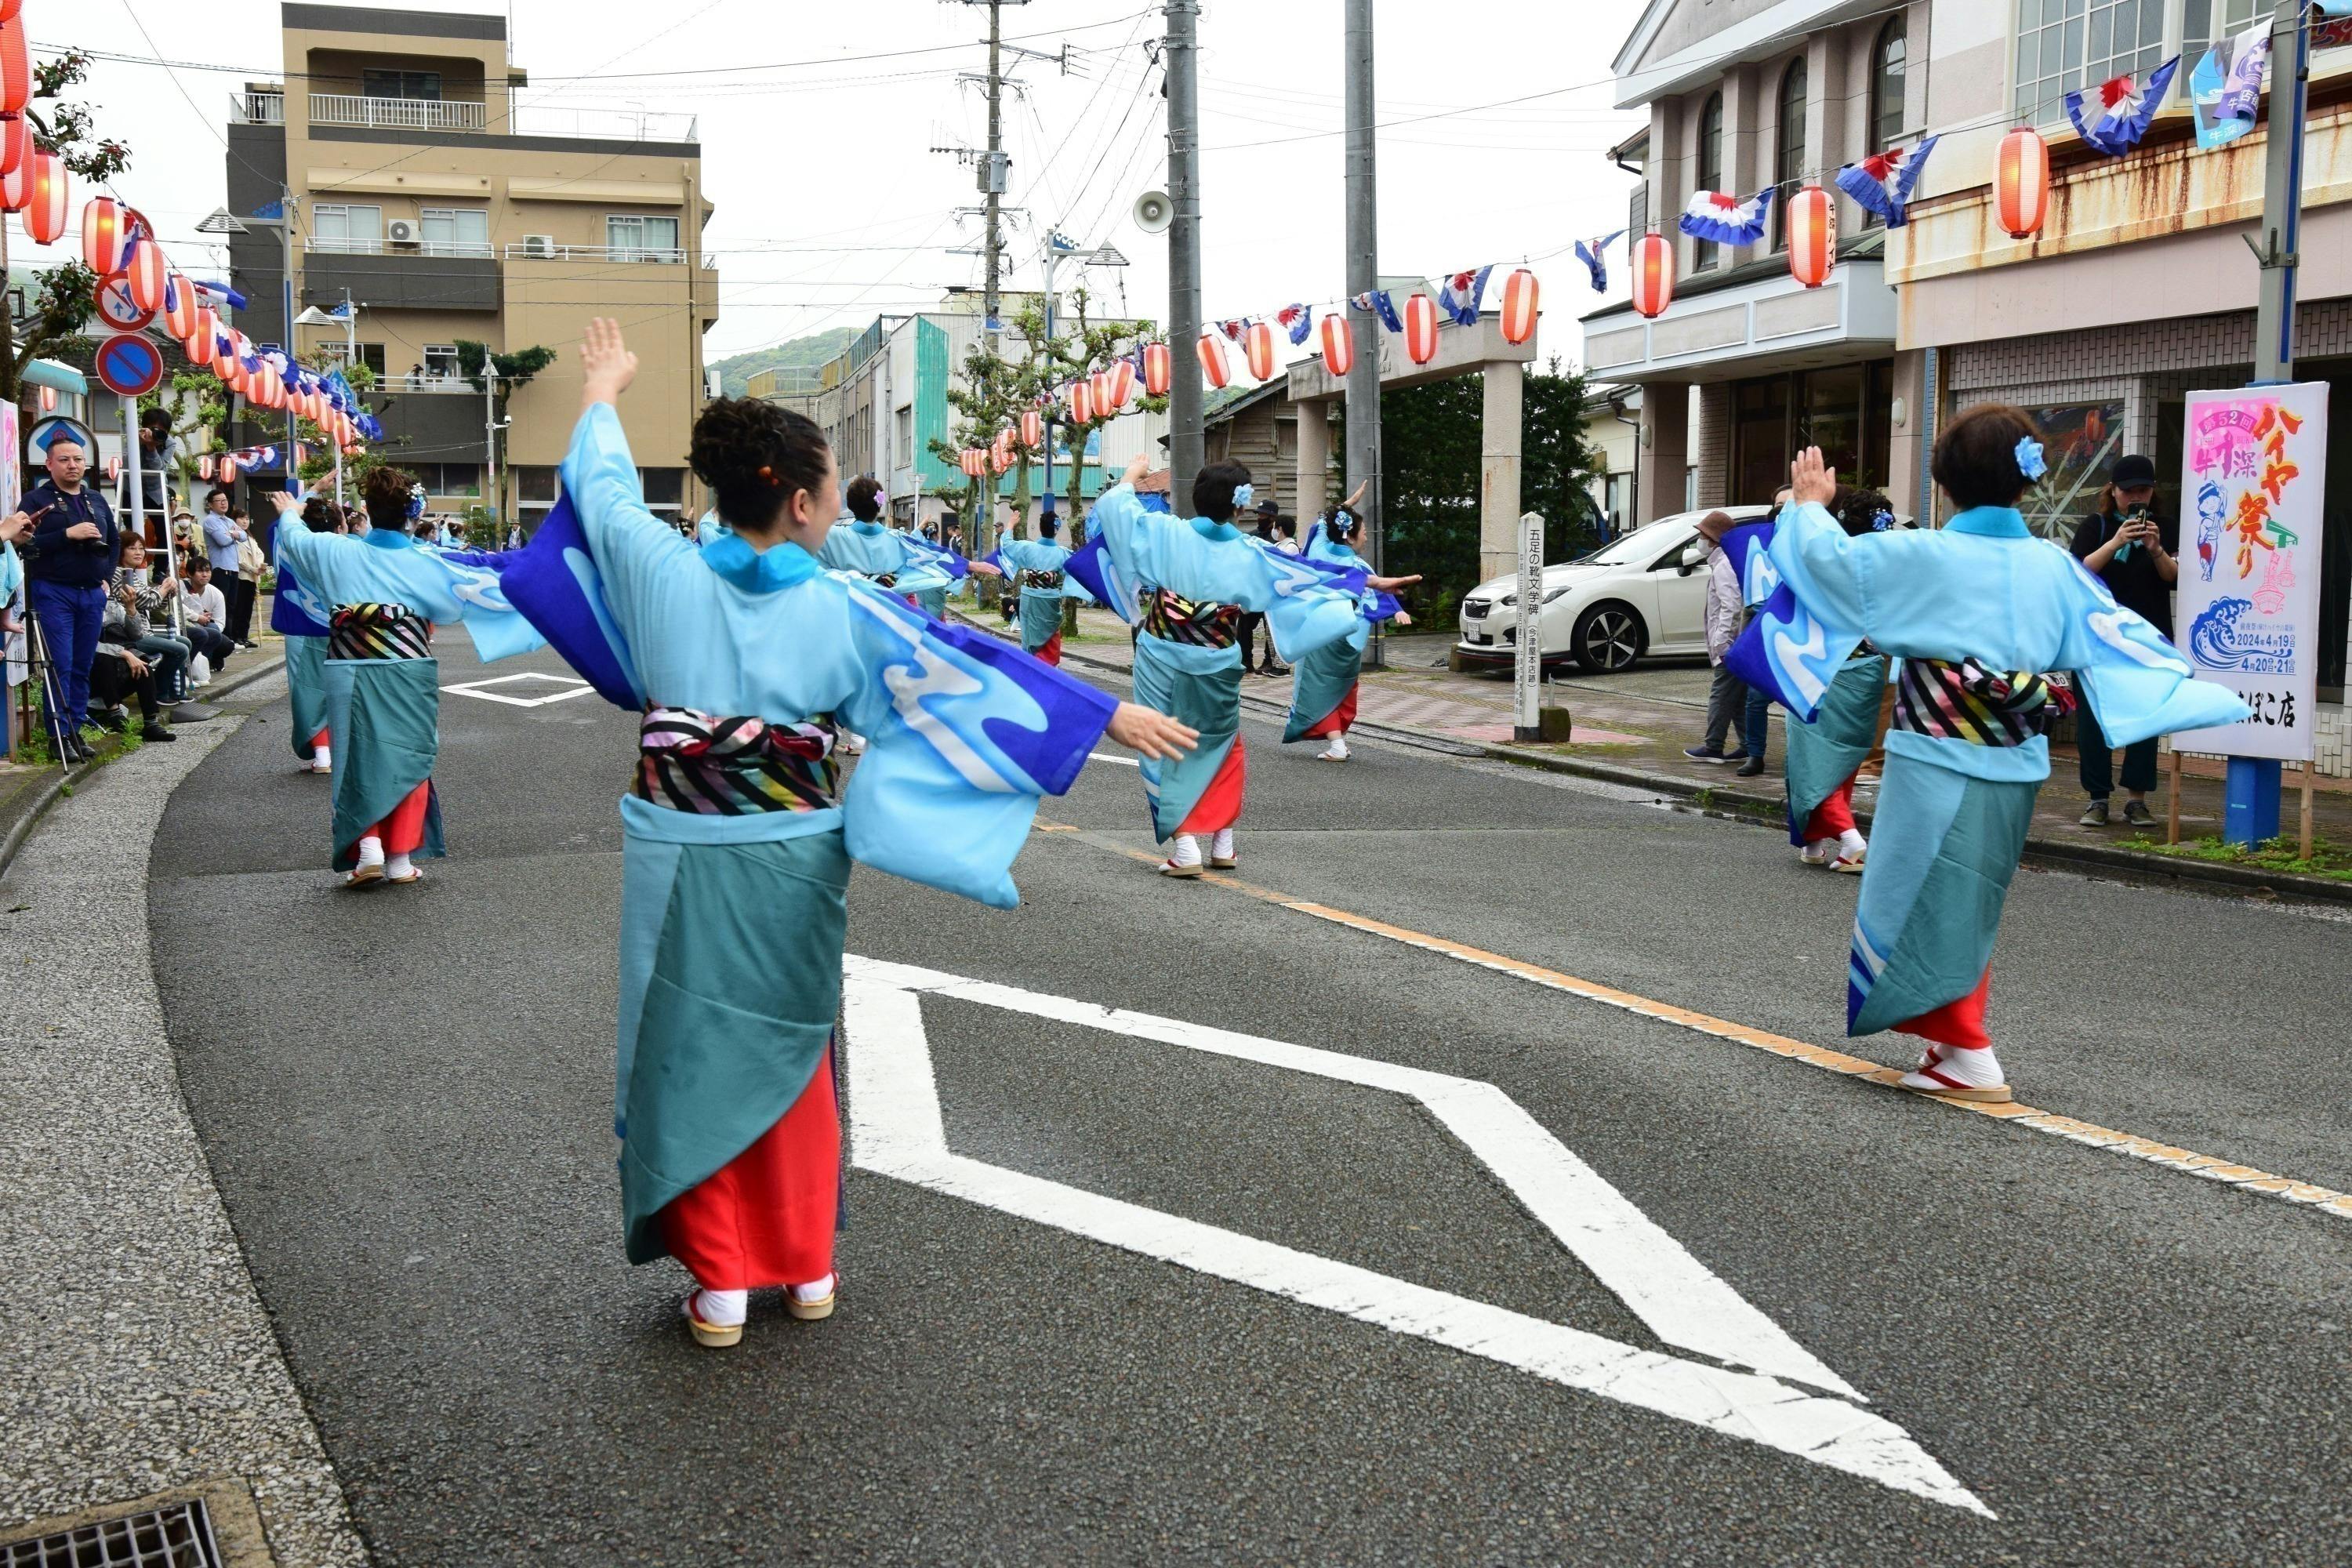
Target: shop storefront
{"points": [[1842, 409]]}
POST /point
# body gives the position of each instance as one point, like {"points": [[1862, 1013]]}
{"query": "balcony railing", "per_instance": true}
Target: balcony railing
{"points": [[528, 250], [431, 381], [626, 124], [328, 245], [256, 108], [396, 113]]}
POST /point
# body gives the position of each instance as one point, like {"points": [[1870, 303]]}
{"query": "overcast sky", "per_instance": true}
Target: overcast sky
{"points": [[831, 207]]}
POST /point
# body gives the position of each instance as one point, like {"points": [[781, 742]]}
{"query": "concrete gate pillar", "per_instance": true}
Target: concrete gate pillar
{"points": [[1498, 485], [1664, 458], [1314, 462]]}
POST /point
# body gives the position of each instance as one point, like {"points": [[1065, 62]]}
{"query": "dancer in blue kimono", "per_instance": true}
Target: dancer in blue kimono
{"points": [[1035, 565], [1824, 757], [301, 618], [1976, 611], [1184, 582], [1323, 684], [883, 556], [386, 592], [744, 657]]}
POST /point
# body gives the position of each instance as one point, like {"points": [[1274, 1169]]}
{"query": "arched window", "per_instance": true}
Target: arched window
{"points": [[1788, 149], [1887, 87], [1711, 171]]}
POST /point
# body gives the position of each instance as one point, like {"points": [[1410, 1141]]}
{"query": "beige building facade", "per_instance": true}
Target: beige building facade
{"points": [[431, 195]]}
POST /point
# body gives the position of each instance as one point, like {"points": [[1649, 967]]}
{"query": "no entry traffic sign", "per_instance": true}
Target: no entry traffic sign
{"points": [[117, 308], [130, 364]]}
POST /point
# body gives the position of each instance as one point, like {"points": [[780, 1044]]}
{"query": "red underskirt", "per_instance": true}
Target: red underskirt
{"points": [[1339, 722], [1051, 652], [1832, 816], [1957, 1023], [767, 1217], [1219, 806], [320, 739], [403, 831]]}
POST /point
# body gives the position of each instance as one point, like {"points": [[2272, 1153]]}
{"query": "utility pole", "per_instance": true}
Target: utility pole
{"points": [[992, 171], [1183, 60], [490, 437], [2282, 196], [1363, 276]]}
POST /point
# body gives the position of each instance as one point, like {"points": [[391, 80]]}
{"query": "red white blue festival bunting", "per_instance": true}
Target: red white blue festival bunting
{"points": [[2123, 109], [1297, 320], [1458, 296], [1724, 218], [1594, 254], [1882, 184], [1377, 301]]}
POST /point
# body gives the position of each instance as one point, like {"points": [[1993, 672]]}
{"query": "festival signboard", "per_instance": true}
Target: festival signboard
{"points": [[2253, 474]]}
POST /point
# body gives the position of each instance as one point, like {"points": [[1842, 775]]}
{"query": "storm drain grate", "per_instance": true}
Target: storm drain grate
{"points": [[179, 1536]]}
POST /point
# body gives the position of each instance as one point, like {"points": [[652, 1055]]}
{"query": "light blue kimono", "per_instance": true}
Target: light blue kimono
{"points": [[1041, 608], [732, 925], [881, 556], [1200, 682], [1323, 683], [1953, 813], [383, 713], [12, 572]]}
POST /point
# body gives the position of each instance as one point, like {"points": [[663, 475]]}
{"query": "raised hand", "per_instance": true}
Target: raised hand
{"points": [[1390, 585], [606, 365], [285, 503], [1152, 733], [1810, 480]]}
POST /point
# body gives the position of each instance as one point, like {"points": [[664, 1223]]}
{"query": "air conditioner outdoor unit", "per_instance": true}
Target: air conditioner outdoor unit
{"points": [[539, 245], [400, 231]]}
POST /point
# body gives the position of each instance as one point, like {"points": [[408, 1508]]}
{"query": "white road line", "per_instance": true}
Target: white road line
{"points": [[898, 1131], [1106, 757], [573, 687]]}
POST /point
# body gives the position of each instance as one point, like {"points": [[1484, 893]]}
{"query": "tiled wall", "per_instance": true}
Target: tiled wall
{"points": [[2147, 364], [1711, 445]]}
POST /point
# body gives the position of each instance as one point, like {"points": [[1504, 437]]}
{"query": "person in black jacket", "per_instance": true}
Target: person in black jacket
{"points": [[74, 540], [2126, 546]]}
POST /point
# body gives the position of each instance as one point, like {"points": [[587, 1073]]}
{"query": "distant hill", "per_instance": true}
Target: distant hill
{"points": [[735, 374]]}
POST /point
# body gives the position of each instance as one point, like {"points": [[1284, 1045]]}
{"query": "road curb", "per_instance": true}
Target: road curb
{"points": [[1741, 805], [47, 794]]}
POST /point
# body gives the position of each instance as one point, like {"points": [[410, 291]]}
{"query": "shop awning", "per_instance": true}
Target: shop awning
{"points": [[49, 373]]}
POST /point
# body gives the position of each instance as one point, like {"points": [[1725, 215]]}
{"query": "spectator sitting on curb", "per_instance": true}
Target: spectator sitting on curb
{"points": [[118, 672], [202, 613], [1727, 697], [136, 599]]}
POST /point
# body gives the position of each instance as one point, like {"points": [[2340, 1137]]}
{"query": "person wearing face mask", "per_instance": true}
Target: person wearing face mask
{"points": [[745, 658], [2125, 545]]}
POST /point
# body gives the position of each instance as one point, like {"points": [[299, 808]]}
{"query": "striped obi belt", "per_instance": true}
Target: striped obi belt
{"points": [[1966, 702], [378, 631], [1041, 581], [1172, 617], [691, 761]]}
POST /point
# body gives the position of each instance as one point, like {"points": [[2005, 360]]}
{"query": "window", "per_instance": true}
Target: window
{"points": [[1710, 172], [1887, 87], [905, 443], [456, 231], [2063, 45], [2205, 23], [441, 361], [338, 225], [369, 354], [449, 479], [535, 486], [634, 238], [1789, 150], [665, 488], [401, 84]]}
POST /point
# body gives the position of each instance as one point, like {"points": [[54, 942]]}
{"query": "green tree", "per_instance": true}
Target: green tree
{"points": [[500, 375], [61, 126]]}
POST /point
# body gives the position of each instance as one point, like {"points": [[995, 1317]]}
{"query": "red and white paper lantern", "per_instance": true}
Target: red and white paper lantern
{"points": [[1213, 368], [1033, 430], [105, 234], [2020, 186], [1082, 401], [1099, 385], [1258, 347], [1121, 377], [49, 400], [199, 343], [1654, 275], [45, 207], [1339, 343], [15, 144], [1421, 329], [179, 306], [147, 275], [1519, 292], [1813, 236], [1158, 369], [16, 67]]}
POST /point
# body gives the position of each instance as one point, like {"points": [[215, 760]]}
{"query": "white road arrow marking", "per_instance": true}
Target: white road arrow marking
{"points": [[897, 1131]]}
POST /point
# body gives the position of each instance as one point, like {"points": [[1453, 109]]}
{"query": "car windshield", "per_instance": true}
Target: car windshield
{"points": [[1641, 545]]}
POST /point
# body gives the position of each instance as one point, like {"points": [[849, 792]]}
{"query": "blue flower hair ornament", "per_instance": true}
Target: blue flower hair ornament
{"points": [[1243, 496], [2029, 457]]}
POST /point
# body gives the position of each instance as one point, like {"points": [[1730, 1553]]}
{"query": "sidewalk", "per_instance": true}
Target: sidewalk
{"points": [[1631, 728]]}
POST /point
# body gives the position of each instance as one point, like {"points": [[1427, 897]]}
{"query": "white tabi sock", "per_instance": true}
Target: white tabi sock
{"points": [[719, 1309], [371, 851], [1337, 750], [1222, 847], [806, 1295], [323, 759], [397, 867], [1851, 843], [1184, 850], [1975, 1067]]}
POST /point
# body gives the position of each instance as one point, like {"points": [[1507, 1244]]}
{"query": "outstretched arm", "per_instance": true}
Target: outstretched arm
{"points": [[600, 475]]}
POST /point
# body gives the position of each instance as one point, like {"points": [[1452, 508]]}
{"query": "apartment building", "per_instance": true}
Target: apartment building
{"points": [[2141, 288], [883, 400], [1741, 95], [424, 187]]}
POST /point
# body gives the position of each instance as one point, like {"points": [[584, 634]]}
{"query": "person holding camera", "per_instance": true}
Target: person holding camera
{"points": [[69, 560], [2126, 546]]}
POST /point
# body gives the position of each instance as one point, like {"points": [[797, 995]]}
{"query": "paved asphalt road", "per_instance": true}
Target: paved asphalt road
{"points": [[404, 1097]]}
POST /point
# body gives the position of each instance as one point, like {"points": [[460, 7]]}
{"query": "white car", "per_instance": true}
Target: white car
{"points": [[1643, 593]]}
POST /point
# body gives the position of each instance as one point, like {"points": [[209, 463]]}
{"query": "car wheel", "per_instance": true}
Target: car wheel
{"points": [[1608, 638]]}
